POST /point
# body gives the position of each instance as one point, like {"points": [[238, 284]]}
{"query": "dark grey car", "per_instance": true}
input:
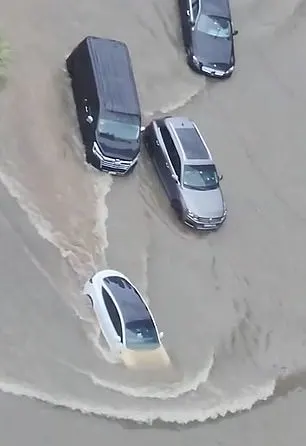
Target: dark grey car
{"points": [[208, 36], [187, 171]]}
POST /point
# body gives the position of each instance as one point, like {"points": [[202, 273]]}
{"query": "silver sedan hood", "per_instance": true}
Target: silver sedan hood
{"points": [[207, 204]]}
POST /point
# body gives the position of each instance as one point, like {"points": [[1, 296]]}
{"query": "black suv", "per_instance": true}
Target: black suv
{"points": [[187, 171], [107, 103], [208, 36]]}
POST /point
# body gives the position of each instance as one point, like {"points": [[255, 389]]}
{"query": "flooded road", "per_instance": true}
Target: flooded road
{"points": [[230, 303]]}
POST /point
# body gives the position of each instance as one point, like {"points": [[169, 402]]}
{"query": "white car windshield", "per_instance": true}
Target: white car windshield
{"points": [[119, 130], [200, 177], [214, 26], [141, 335]]}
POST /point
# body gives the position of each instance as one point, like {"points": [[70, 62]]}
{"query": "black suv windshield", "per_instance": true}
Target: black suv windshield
{"points": [[141, 335], [214, 26], [112, 129], [200, 177]]}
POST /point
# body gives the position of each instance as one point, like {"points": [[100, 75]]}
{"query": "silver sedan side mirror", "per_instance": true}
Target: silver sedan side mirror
{"points": [[161, 335]]}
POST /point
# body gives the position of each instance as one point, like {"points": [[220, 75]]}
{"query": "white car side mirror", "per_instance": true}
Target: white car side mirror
{"points": [[161, 335], [89, 119], [142, 128]]}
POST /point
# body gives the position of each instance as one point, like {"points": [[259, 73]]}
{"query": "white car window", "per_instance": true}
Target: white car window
{"points": [[112, 311], [141, 334]]}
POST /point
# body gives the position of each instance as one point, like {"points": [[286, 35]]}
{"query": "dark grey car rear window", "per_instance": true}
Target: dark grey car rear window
{"points": [[192, 144]]}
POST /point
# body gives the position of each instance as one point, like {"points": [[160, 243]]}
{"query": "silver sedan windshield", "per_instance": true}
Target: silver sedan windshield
{"points": [[200, 177]]}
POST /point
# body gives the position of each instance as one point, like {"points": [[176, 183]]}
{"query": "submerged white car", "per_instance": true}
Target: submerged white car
{"points": [[125, 320]]}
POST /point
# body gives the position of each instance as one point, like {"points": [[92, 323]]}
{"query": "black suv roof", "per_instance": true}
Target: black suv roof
{"points": [[116, 83]]}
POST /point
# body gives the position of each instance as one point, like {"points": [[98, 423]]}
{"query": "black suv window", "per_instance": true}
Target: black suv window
{"points": [[112, 311], [171, 149], [195, 8]]}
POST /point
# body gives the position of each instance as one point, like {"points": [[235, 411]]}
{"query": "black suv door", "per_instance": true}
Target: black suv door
{"points": [[85, 89], [87, 123]]}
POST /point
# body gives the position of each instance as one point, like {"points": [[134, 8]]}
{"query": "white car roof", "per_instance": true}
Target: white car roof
{"points": [[129, 301]]}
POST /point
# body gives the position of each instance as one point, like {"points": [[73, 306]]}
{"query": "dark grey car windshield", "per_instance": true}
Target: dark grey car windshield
{"points": [[214, 26], [200, 177], [112, 129], [141, 335]]}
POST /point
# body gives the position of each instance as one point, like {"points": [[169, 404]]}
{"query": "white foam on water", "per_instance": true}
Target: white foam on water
{"points": [[173, 106], [90, 325], [94, 335], [102, 187], [163, 392], [74, 255], [180, 415], [103, 352], [180, 103], [43, 227]]}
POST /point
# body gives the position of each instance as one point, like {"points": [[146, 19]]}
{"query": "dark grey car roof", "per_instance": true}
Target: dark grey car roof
{"points": [[116, 83], [130, 303], [220, 8]]}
